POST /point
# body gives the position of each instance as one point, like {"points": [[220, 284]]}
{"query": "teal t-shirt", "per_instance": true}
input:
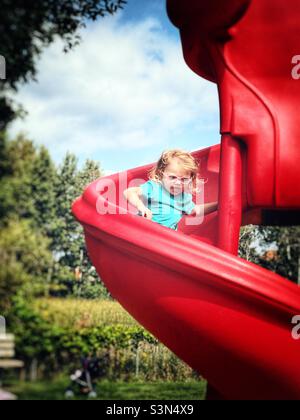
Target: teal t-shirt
{"points": [[166, 208]]}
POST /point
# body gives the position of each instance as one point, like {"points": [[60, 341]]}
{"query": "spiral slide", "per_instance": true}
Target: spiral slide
{"points": [[227, 318]]}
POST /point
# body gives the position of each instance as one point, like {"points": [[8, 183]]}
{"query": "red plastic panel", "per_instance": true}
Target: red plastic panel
{"points": [[247, 47]]}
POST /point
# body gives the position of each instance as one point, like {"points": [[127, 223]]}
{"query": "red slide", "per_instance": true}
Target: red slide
{"points": [[229, 319]]}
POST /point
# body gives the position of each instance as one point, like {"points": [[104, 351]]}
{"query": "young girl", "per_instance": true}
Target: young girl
{"points": [[167, 196]]}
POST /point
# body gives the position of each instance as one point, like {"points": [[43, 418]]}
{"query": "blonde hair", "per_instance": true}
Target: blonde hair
{"points": [[189, 163]]}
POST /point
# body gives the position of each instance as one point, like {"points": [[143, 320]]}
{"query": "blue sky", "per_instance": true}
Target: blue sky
{"points": [[123, 96], [138, 10]]}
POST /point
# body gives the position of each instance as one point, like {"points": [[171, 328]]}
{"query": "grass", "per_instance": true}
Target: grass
{"points": [[83, 313], [156, 362], [192, 390]]}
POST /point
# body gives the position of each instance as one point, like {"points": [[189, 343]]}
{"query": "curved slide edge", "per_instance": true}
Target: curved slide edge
{"points": [[228, 319]]}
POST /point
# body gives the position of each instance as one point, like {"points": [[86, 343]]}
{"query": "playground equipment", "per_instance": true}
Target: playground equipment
{"points": [[227, 318]]}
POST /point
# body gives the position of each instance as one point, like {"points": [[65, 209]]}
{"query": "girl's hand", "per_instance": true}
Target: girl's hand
{"points": [[203, 210], [133, 195], [198, 211], [146, 213]]}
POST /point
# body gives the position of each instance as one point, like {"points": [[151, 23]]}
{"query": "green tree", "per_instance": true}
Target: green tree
{"points": [[28, 26], [24, 261], [249, 240], [43, 185], [28, 184], [35, 191], [274, 248], [285, 243], [65, 193], [69, 245], [5, 164], [18, 158], [90, 172]]}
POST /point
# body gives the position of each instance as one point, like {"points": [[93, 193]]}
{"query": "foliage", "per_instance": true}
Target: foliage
{"points": [[57, 337], [27, 27], [24, 261], [5, 168], [285, 243], [274, 248], [68, 237], [137, 390], [17, 165], [74, 313], [43, 192], [34, 190], [90, 288]]}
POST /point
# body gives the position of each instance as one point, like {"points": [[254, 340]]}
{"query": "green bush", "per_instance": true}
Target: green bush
{"points": [[24, 261], [127, 351], [90, 289]]}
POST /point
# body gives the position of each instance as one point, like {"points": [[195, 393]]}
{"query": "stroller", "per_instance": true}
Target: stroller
{"points": [[83, 381]]}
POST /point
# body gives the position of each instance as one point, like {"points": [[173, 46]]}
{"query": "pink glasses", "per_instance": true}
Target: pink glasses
{"points": [[175, 179]]}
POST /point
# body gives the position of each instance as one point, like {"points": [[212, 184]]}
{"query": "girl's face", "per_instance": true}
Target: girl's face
{"points": [[176, 179]]}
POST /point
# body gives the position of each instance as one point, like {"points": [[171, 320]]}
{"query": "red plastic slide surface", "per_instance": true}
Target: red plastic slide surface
{"points": [[227, 318]]}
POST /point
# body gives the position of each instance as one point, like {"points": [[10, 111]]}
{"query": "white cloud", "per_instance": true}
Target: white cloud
{"points": [[125, 87]]}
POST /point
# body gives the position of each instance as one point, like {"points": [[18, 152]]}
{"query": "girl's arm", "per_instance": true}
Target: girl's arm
{"points": [[211, 207], [133, 196], [205, 208]]}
